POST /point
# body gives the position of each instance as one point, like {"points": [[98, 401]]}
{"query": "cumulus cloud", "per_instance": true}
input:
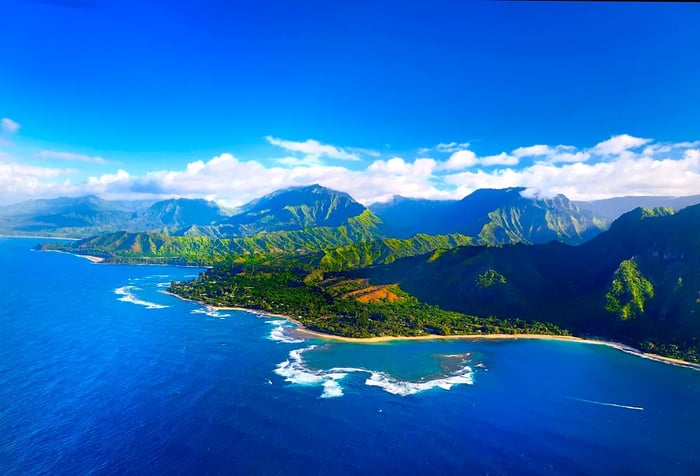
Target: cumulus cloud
{"points": [[553, 154], [299, 162], [461, 160], [636, 175], [19, 181], [499, 159], [53, 154], [9, 126], [313, 148], [234, 182], [533, 151], [640, 167], [618, 144]]}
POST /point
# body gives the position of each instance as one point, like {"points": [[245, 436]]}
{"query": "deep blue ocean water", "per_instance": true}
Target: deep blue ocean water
{"points": [[100, 372]]}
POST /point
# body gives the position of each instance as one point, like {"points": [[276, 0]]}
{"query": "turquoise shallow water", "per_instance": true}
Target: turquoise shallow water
{"points": [[102, 372]]}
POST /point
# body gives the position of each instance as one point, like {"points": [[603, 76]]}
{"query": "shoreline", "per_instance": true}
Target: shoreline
{"points": [[98, 259], [476, 337], [302, 329], [94, 259], [41, 237]]}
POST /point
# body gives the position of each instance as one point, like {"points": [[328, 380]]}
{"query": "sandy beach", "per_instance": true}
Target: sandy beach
{"points": [[476, 337], [94, 259], [301, 329]]}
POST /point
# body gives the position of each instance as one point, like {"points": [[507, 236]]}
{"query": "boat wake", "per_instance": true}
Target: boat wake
{"points": [[607, 404]]}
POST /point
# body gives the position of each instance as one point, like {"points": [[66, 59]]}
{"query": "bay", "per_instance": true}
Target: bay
{"points": [[101, 372]]}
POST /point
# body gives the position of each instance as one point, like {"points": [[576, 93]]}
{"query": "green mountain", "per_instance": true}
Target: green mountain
{"points": [[638, 282], [404, 216], [90, 215], [328, 248], [291, 209], [613, 208], [178, 213], [68, 216], [494, 216]]}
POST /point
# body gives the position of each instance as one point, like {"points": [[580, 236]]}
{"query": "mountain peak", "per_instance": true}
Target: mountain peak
{"points": [[295, 208]]}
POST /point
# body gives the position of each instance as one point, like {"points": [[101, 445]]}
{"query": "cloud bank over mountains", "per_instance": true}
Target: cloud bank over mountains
{"points": [[616, 166]]}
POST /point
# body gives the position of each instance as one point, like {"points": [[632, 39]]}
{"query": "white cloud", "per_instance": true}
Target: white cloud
{"points": [[9, 126], [461, 160], [637, 175], [445, 147], [558, 153], [499, 159], [569, 157], [53, 154], [398, 166], [672, 169], [299, 162], [618, 144], [313, 148], [19, 182], [533, 151]]}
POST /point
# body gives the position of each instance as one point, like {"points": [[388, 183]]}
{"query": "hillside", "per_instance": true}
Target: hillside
{"points": [[330, 249], [403, 216], [347, 307], [68, 216], [612, 208], [90, 215], [292, 209], [177, 213], [638, 282], [493, 216]]}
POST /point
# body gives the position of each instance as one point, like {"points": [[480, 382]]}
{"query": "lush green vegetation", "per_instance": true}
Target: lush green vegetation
{"points": [[338, 305], [637, 283], [386, 251], [331, 249], [489, 278], [628, 292], [494, 217], [88, 216]]}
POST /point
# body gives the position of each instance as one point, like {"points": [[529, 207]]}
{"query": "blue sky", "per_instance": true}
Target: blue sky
{"points": [[229, 100]]}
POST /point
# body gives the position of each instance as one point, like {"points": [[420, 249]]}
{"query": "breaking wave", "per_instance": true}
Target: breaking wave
{"points": [[295, 371], [127, 295], [207, 311], [278, 332]]}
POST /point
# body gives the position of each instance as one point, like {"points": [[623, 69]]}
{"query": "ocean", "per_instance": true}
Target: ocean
{"points": [[103, 373]]}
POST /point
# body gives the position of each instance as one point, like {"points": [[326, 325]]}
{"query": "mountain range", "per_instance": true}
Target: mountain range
{"points": [[90, 215], [493, 216], [502, 253], [488, 216], [639, 281], [611, 208]]}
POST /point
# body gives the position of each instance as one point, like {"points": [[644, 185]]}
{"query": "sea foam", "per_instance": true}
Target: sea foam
{"points": [[278, 332], [127, 295], [295, 371], [207, 311]]}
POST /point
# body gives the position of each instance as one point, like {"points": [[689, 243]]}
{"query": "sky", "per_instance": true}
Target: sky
{"points": [[232, 100]]}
